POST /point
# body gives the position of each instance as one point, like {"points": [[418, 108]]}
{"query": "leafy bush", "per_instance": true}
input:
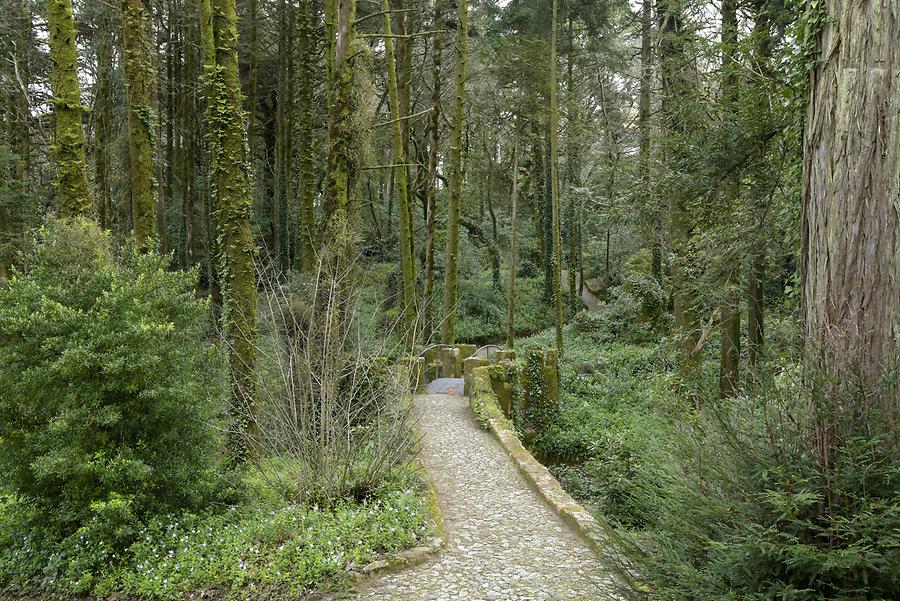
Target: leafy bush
{"points": [[106, 384], [482, 309], [634, 311]]}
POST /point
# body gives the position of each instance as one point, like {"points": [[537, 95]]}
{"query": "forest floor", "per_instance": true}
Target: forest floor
{"points": [[503, 541]]}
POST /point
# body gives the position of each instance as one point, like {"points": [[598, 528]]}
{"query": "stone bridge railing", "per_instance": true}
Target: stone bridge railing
{"points": [[523, 386]]}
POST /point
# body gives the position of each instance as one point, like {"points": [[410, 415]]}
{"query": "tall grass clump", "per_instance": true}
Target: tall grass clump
{"points": [[742, 507]]}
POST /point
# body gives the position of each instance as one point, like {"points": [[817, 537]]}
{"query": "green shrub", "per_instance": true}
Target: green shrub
{"points": [[106, 383]]}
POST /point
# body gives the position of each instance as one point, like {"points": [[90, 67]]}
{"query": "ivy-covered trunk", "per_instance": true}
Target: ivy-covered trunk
{"points": [[554, 185], [307, 55], [407, 260], [448, 330], [72, 188], [232, 210], [140, 76]]}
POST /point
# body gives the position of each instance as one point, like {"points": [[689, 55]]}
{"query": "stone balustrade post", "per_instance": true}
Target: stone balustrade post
{"points": [[448, 363], [470, 364]]}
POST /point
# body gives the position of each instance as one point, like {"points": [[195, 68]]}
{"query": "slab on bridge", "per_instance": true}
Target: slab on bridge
{"points": [[446, 386]]}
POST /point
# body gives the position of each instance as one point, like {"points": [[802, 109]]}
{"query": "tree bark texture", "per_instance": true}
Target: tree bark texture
{"points": [[851, 198], [73, 192]]}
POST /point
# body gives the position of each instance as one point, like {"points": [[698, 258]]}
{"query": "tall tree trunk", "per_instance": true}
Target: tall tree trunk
{"points": [[554, 185], [142, 118], [511, 294], [189, 135], [431, 185], [538, 184], [305, 254], [341, 175], [677, 75], [169, 167], [755, 312], [572, 167], [233, 209], [730, 343], [74, 195], [448, 331], [407, 258], [279, 198], [157, 93], [644, 142], [103, 127], [252, 78], [757, 270], [851, 212]]}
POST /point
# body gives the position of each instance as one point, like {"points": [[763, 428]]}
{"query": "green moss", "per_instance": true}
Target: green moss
{"points": [[68, 149], [483, 401], [140, 76]]}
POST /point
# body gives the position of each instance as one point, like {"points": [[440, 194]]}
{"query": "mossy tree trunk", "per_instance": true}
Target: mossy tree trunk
{"points": [[431, 184], [140, 77], [554, 184], [103, 126], [407, 259], [72, 188], [307, 55], [187, 121], [233, 209], [448, 330], [342, 168], [511, 294]]}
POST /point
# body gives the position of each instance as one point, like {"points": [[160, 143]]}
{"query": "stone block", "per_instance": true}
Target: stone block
{"points": [[449, 365], [509, 355], [466, 351], [469, 366]]}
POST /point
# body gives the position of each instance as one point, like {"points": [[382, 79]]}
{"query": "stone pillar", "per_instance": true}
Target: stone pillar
{"points": [[469, 366], [551, 375], [502, 386], [431, 367], [448, 362], [466, 351], [509, 355]]}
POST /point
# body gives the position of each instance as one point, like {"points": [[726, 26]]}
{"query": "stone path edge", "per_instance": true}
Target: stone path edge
{"points": [[538, 477], [543, 482]]}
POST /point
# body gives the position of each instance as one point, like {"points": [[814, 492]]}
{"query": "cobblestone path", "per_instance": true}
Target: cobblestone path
{"points": [[503, 541]]}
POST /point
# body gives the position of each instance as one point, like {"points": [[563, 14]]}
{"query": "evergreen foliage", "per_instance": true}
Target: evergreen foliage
{"points": [[109, 390]]}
